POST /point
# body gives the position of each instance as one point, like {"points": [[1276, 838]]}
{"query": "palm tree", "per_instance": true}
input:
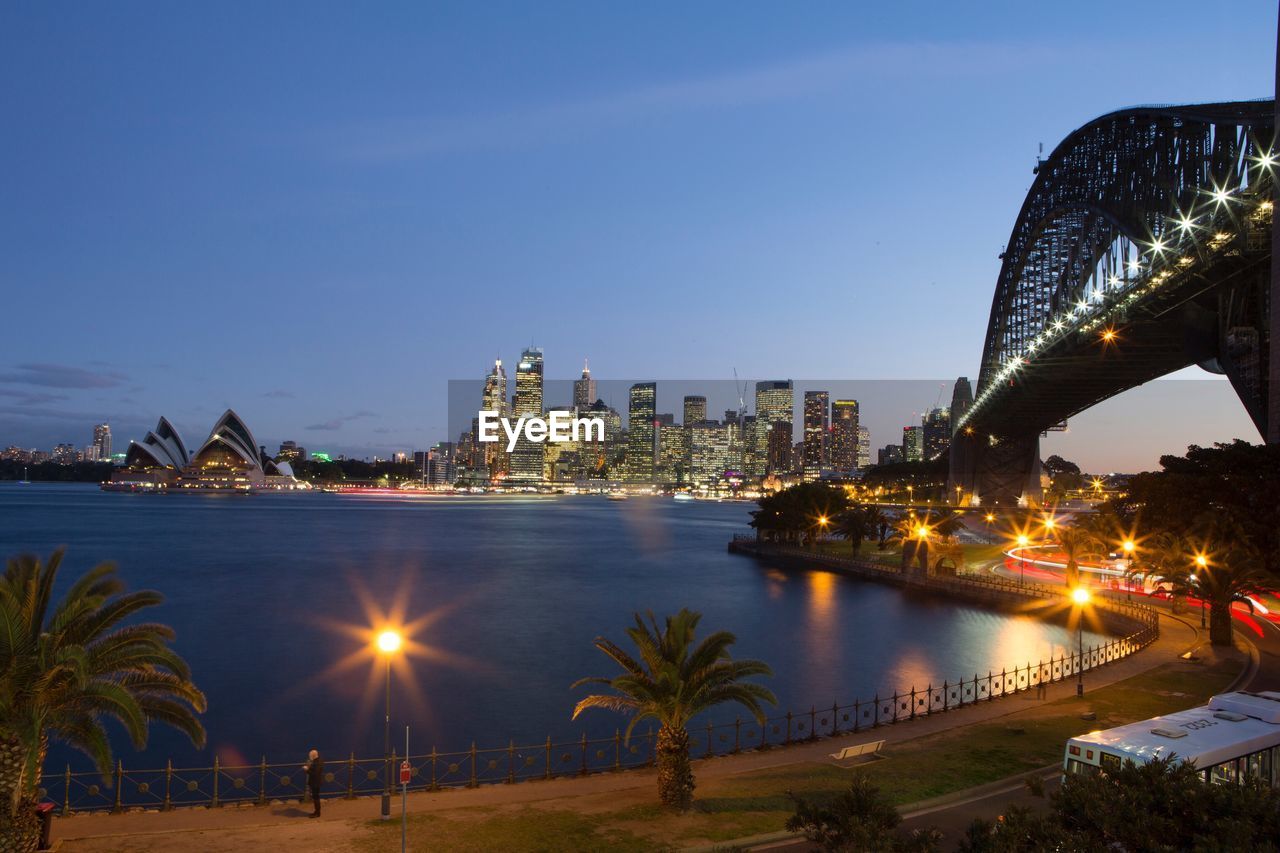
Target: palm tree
{"points": [[673, 681], [854, 526], [65, 667], [1230, 574], [1076, 544]]}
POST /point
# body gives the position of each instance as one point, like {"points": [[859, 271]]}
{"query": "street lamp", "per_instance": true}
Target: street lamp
{"points": [[1202, 563], [1080, 595], [1128, 548], [388, 644], [1023, 541]]}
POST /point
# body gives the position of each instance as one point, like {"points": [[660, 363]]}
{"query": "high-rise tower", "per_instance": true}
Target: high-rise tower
{"points": [[816, 415], [526, 459], [584, 389], [844, 435], [641, 446]]}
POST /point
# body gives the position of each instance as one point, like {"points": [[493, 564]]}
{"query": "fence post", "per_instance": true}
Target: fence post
{"points": [[944, 695], [708, 739], [787, 742], [168, 780], [119, 783], [215, 780], [511, 762], [835, 718], [351, 777], [473, 765], [737, 734], [653, 746], [857, 718], [434, 786], [617, 749], [989, 696], [262, 782], [582, 770], [66, 794], [875, 717], [813, 729], [764, 733], [548, 773]]}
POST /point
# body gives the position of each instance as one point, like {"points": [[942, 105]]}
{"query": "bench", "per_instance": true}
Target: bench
{"points": [[861, 750]]}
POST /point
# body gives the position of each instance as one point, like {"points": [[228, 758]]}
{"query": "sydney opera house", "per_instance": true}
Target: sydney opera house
{"points": [[229, 460]]}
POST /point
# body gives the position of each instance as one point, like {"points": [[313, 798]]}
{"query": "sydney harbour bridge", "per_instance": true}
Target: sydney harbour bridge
{"points": [[1144, 246]]}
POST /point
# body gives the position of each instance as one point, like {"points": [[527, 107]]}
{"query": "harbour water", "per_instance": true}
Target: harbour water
{"points": [[270, 594]]}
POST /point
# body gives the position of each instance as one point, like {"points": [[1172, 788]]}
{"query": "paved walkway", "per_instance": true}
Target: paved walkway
{"points": [[285, 825]]}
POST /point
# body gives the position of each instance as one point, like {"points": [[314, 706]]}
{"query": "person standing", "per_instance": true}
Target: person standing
{"points": [[315, 778]]}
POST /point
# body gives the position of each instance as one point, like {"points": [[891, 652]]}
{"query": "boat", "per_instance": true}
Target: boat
{"points": [[682, 496], [617, 496]]}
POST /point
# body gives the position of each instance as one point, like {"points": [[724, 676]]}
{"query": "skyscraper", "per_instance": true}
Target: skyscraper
{"points": [[816, 415], [844, 435], [493, 455], [864, 448], [526, 459], [695, 410], [937, 432], [641, 447], [913, 444], [961, 400], [494, 398], [775, 404], [584, 389], [102, 440]]}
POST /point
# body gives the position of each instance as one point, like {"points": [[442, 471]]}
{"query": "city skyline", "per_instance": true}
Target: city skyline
{"points": [[628, 166]]}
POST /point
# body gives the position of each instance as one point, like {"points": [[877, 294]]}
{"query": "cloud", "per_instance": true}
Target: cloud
{"points": [[278, 394], [31, 398], [411, 137], [336, 423], [62, 376]]}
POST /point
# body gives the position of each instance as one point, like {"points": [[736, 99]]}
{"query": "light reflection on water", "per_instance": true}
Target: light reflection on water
{"points": [[256, 585]]}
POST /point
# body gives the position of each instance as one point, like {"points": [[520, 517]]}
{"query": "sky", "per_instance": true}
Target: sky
{"points": [[319, 214]]}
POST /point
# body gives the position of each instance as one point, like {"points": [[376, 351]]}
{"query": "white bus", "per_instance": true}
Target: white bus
{"points": [[1235, 736]]}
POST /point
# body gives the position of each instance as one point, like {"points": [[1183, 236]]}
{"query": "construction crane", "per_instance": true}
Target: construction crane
{"points": [[742, 403]]}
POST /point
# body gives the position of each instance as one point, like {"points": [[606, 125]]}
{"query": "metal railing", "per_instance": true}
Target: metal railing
{"points": [[224, 784]]}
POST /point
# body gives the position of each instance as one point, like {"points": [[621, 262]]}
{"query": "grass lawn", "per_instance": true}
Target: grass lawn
{"points": [[729, 807]]}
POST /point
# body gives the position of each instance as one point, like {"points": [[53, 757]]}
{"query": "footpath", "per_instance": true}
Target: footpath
{"points": [[287, 825]]}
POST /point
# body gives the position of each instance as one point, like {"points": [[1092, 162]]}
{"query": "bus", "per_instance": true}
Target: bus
{"points": [[1234, 737]]}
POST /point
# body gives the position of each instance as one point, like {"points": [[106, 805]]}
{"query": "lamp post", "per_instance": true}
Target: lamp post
{"points": [[1202, 563], [1080, 595], [1128, 547], [1023, 541], [388, 644]]}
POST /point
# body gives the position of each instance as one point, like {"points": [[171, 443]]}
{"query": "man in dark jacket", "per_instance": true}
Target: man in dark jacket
{"points": [[315, 778]]}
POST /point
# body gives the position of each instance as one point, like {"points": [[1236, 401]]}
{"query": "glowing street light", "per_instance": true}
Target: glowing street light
{"points": [[1202, 563], [1128, 547], [388, 643], [1080, 595], [1023, 542]]}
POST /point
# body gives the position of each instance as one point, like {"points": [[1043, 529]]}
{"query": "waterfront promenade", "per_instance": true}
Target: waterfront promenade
{"points": [[349, 824]]}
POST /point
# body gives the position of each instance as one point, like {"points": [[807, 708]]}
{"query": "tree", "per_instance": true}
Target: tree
{"points": [[66, 667], [1065, 476], [1230, 573], [1076, 544], [1158, 806], [883, 523], [672, 681], [853, 525], [795, 514], [861, 818]]}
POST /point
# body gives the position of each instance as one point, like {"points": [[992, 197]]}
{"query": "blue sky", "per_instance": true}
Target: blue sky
{"points": [[318, 214]]}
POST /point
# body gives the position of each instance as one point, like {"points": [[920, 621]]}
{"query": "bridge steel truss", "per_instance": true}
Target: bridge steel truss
{"points": [[1143, 246]]}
